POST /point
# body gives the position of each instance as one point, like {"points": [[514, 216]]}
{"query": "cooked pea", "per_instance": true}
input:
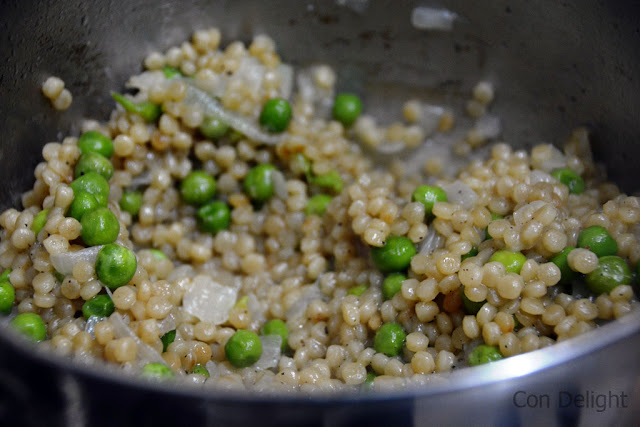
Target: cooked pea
{"points": [[598, 240], [201, 370], [30, 325], [146, 109], [367, 385], [39, 221], [214, 216], [346, 108], [561, 260], [357, 290], [484, 354], [258, 184], [213, 128], [275, 115], [82, 203], [317, 205], [131, 202], [392, 284], [243, 349], [157, 371], [99, 227], [95, 142], [512, 261], [171, 72], [330, 180], [158, 255], [7, 297], [428, 195], [167, 339], [277, 327], [4, 277], [389, 339], [473, 252], [115, 265], [100, 305], [198, 188], [471, 307], [92, 183], [94, 162], [395, 255], [570, 179], [612, 271]]}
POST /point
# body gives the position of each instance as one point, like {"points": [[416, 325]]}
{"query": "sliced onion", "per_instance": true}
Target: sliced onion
{"points": [[537, 176], [64, 262], [211, 107], [460, 193], [430, 118], [427, 18], [256, 309], [167, 324], [181, 272], [554, 160], [280, 185], [146, 354], [299, 307], [145, 81], [209, 301], [270, 357], [431, 242], [92, 321], [287, 77], [488, 126]]}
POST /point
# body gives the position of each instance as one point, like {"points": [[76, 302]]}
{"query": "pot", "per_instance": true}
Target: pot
{"points": [[556, 65]]}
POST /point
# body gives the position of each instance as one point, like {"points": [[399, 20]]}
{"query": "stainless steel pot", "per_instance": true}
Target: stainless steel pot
{"points": [[556, 64]]}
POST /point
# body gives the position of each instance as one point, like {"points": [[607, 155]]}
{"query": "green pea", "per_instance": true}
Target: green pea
{"points": [[486, 230], [201, 370], [317, 205], [158, 255], [484, 354], [167, 339], [82, 203], [234, 136], [367, 385], [392, 284], [389, 339], [7, 297], [277, 327], [330, 180], [58, 276], [39, 221], [171, 72], [428, 195], [94, 162], [95, 142], [473, 252], [243, 349], [213, 128], [100, 305], [275, 115], [471, 307], [346, 108], [512, 261], [567, 275], [198, 188], [131, 202], [395, 255], [570, 179], [157, 371], [99, 227], [115, 265], [92, 183], [612, 271], [258, 184], [598, 240], [146, 109], [214, 216], [357, 290], [4, 277], [30, 325]]}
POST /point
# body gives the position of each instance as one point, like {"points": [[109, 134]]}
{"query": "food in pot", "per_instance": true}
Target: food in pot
{"points": [[227, 226]]}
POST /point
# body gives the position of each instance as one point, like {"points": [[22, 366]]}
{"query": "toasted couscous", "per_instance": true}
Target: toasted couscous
{"points": [[227, 226]]}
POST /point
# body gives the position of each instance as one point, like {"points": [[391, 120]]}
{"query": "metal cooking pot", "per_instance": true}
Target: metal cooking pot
{"points": [[556, 64]]}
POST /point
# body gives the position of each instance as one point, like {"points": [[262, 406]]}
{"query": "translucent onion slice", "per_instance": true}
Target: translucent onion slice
{"points": [[209, 301], [64, 262]]}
